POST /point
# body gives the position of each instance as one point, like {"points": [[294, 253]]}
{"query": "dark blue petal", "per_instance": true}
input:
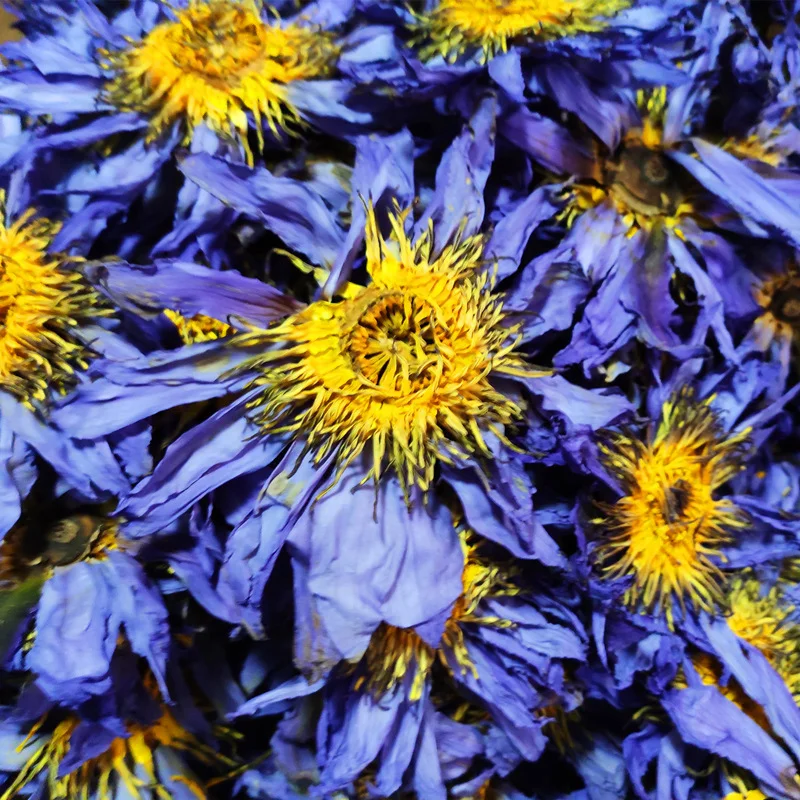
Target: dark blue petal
{"points": [[87, 465], [190, 289], [287, 207], [399, 565], [743, 189], [383, 172], [130, 391], [457, 203], [225, 446]]}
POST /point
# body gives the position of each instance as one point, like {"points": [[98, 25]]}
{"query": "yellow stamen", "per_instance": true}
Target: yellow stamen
{"points": [[670, 524], [402, 368], [638, 181], [128, 762], [764, 620], [41, 305], [456, 27], [198, 328], [216, 63], [756, 148]]}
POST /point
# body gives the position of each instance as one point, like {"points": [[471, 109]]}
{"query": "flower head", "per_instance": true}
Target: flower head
{"points": [[217, 62], [638, 179], [41, 304], [670, 523], [130, 765], [403, 366], [764, 619], [456, 27]]}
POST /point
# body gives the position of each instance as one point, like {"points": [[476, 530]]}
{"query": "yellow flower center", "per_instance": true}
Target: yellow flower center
{"points": [[216, 63], [128, 765], [779, 296], [455, 27], [395, 652], [66, 541], [764, 621], [639, 180], [670, 523], [403, 365], [40, 305], [198, 328]]}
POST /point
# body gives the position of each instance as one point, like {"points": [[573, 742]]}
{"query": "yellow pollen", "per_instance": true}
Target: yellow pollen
{"points": [[198, 328], [403, 366], [216, 63], [487, 27], [395, 653], [41, 305], [670, 524], [752, 794], [127, 765], [764, 620]]}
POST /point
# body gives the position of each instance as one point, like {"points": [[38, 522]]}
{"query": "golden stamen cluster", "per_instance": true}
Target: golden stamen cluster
{"points": [[667, 529], [638, 180], [41, 305], [488, 27], [128, 765], [217, 62], [765, 620], [402, 368]]}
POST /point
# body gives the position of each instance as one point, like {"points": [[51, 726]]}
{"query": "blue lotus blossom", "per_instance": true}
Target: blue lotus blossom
{"points": [[301, 480], [118, 91]]}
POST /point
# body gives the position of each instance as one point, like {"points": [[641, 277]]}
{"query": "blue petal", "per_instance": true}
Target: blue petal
{"points": [[287, 207], [591, 408], [253, 547], [512, 232], [506, 71], [398, 565], [52, 57], [550, 144], [758, 679], [140, 608], [457, 203], [29, 92], [130, 391], [91, 132], [190, 289], [17, 476], [87, 465], [606, 119], [743, 189], [76, 633], [224, 447], [325, 105], [351, 733], [707, 720], [500, 507], [383, 171]]}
